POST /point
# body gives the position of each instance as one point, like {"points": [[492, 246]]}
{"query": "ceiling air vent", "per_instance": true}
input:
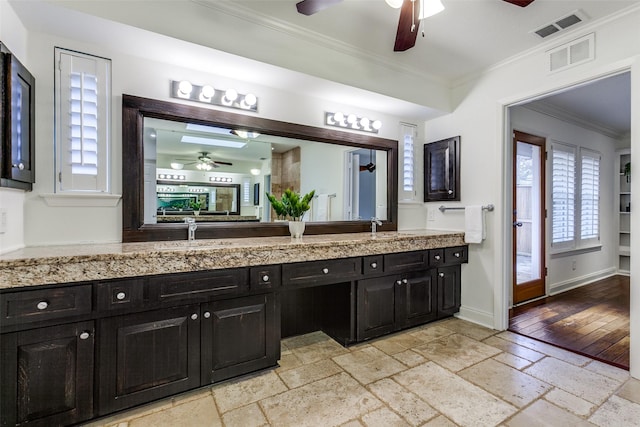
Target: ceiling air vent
{"points": [[573, 53], [561, 24]]}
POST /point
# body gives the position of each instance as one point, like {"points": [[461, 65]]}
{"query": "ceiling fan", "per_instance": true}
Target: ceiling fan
{"points": [[407, 25], [205, 162]]}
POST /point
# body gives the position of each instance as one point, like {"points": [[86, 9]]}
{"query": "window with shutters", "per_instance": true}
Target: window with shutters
{"points": [[82, 115], [575, 193], [407, 191]]}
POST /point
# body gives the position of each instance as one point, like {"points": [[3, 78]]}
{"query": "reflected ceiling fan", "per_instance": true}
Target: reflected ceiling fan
{"points": [[205, 162], [410, 16]]}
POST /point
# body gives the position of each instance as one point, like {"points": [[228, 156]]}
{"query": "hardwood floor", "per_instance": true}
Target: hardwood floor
{"points": [[592, 320]]}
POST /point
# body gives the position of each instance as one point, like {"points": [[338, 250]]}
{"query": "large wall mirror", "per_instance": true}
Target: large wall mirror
{"points": [[181, 161]]}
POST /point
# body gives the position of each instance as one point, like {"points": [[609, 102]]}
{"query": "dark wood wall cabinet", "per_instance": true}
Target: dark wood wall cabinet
{"points": [[442, 170], [17, 123], [75, 352]]}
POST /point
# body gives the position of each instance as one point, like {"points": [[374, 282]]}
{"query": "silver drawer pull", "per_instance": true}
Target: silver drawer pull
{"points": [[456, 254], [441, 274], [374, 265], [437, 257], [194, 316], [19, 166], [84, 335], [121, 295], [265, 278], [325, 270], [398, 282], [405, 281], [42, 305], [207, 315]]}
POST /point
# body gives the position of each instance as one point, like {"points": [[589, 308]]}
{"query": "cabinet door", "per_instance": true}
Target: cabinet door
{"points": [[442, 170], [47, 376], [418, 296], [239, 335], [448, 290], [147, 356], [376, 313]]}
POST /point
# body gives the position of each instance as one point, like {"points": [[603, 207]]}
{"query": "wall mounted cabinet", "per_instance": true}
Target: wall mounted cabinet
{"points": [[17, 128], [442, 170]]}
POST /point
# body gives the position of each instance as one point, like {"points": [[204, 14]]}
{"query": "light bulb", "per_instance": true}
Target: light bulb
{"points": [[338, 117], [429, 8], [396, 4], [250, 99], [184, 88], [377, 124], [207, 93], [231, 95]]}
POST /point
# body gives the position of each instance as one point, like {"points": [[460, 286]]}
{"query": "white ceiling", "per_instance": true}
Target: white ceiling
{"points": [[350, 43]]}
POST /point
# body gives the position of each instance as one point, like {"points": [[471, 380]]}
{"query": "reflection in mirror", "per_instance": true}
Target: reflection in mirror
{"points": [[354, 175], [195, 163]]}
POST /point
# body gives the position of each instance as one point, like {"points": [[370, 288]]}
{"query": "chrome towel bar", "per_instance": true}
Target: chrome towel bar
{"points": [[443, 208]]}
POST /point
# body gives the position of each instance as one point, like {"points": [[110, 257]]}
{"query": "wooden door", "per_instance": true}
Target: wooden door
{"points": [[50, 374], [376, 313], [442, 170], [147, 356], [449, 281], [418, 292], [528, 252], [239, 335]]}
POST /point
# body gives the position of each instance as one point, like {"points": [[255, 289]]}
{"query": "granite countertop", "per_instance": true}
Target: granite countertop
{"points": [[75, 263]]}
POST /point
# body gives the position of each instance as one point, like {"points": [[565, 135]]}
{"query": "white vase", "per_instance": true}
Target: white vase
{"points": [[296, 228]]}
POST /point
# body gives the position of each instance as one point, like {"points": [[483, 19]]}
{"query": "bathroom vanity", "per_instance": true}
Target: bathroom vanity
{"points": [[98, 330]]}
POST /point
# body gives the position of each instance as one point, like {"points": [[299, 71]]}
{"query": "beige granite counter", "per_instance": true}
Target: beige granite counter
{"points": [[74, 263]]}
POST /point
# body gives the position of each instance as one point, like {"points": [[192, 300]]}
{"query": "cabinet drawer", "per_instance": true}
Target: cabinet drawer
{"points": [[320, 272], [406, 261], [436, 257], [45, 304], [193, 285], [372, 264], [121, 294], [265, 277], [456, 255]]}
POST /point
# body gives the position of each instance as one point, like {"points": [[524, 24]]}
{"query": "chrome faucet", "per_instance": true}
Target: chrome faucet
{"points": [[374, 221], [192, 226]]}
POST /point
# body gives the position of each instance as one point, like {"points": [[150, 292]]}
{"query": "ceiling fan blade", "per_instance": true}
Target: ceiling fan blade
{"points": [[217, 162], [521, 3], [405, 38], [309, 7]]}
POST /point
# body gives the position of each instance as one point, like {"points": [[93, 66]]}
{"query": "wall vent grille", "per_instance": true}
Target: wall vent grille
{"points": [[561, 24], [570, 54]]}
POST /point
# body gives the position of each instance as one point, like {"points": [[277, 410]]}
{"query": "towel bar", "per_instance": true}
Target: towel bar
{"points": [[443, 208]]}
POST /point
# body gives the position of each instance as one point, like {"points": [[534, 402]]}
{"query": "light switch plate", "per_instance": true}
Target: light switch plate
{"points": [[3, 221], [431, 214]]}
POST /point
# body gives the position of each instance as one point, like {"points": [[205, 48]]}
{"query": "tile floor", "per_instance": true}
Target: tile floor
{"points": [[448, 373]]}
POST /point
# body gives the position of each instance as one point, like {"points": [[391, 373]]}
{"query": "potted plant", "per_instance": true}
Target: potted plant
{"points": [[196, 205], [292, 205]]}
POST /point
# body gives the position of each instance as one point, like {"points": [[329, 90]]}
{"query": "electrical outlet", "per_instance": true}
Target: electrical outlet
{"points": [[573, 265], [3, 221], [431, 214]]}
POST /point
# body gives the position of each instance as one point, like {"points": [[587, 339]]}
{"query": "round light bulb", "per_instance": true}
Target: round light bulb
{"points": [[207, 92], [396, 4], [250, 99], [364, 122], [377, 124], [351, 118], [185, 88], [231, 95], [338, 117]]}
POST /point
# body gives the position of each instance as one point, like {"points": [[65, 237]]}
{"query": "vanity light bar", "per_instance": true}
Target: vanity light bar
{"points": [[209, 95], [172, 176], [351, 121], [220, 179]]}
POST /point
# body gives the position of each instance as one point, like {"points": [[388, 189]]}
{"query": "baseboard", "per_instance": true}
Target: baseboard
{"points": [[576, 282], [482, 318]]}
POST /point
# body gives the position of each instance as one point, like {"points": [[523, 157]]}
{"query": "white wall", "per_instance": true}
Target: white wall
{"points": [[481, 120]]}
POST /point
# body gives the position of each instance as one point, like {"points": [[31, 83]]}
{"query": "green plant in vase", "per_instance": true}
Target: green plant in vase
{"points": [[292, 205], [196, 205]]}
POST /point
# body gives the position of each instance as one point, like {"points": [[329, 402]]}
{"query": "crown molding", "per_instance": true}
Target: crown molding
{"points": [[300, 33]]}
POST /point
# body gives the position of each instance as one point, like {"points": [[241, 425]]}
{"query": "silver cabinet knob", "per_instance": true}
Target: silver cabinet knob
{"points": [[207, 315], [437, 257], [374, 265], [265, 278], [84, 335], [405, 281], [398, 282], [194, 316], [42, 305], [450, 191], [19, 166], [121, 295], [456, 254], [325, 270], [441, 274]]}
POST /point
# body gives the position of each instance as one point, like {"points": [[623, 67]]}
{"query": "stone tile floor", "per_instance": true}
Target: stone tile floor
{"points": [[448, 373]]}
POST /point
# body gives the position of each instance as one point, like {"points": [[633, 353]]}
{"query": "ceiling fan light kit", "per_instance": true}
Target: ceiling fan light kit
{"points": [[207, 94], [351, 121]]}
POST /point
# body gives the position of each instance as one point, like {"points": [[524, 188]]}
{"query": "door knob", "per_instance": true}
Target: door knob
{"points": [[517, 224]]}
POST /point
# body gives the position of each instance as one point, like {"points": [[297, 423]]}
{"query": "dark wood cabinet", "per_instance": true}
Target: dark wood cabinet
{"points": [[239, 335], [17, 132], [390, 303], [442, 170], [449, 289], [147, 356], [47, 376]]}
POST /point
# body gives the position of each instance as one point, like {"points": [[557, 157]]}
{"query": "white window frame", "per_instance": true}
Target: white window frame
{"points": [[587, 197], [72, 151], [407, 181], [574, 240]]}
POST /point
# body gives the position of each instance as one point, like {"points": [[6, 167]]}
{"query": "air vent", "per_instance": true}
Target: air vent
{"points": [[573, 53], [561, 24]]}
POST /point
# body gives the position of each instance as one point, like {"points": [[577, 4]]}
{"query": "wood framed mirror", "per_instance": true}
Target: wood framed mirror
{"points": [[140, 177]]}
